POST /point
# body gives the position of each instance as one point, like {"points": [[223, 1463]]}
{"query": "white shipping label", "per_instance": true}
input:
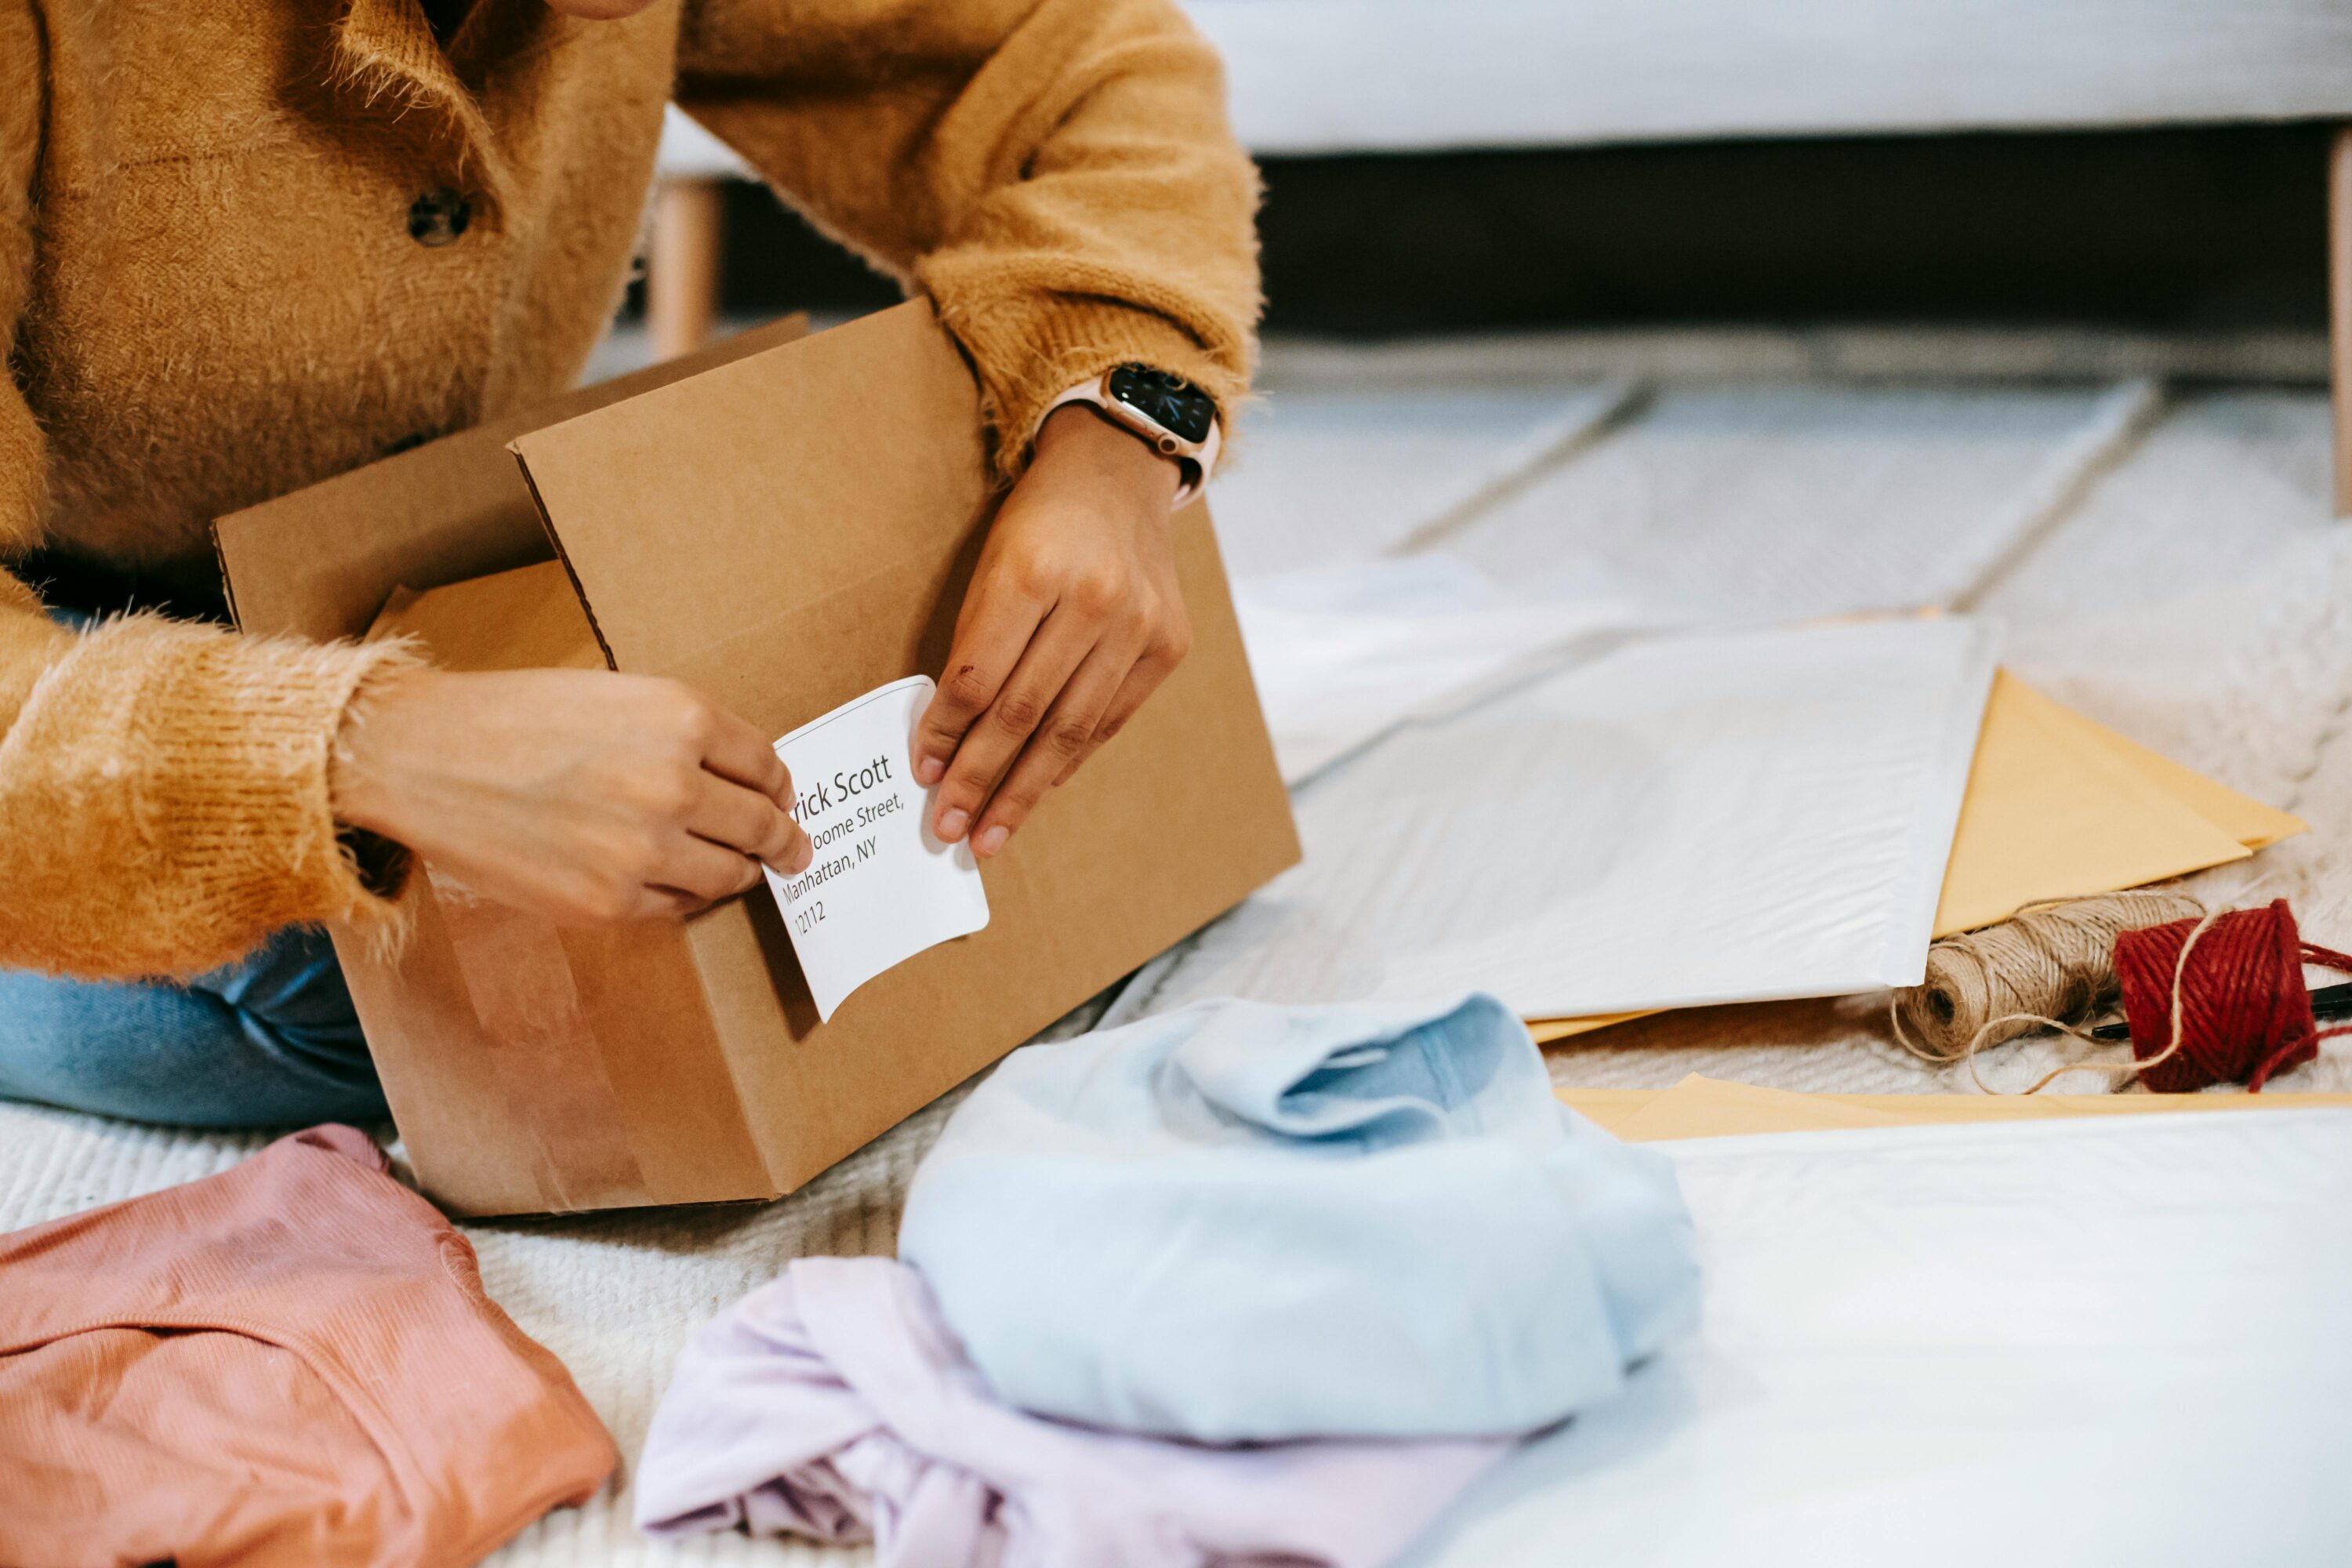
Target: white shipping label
{"points": [[881, 888]]}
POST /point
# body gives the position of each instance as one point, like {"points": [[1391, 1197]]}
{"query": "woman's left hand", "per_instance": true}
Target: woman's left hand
{"points": [[1072, 618]]}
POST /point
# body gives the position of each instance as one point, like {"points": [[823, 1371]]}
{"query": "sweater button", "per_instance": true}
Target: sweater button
{"points": [[439, 218]]}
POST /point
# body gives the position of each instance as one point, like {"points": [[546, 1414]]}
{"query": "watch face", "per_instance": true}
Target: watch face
{"points": [[1170, 402]]}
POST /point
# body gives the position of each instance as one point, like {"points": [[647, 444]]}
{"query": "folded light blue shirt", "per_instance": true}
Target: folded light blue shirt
{"points": [[1242, 1222]]}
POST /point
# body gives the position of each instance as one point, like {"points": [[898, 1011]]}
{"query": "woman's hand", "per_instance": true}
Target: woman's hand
{"points": [[579, 795], [1072, 618]]}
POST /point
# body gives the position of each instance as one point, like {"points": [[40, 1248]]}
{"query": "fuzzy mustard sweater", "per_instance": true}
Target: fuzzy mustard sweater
{"points": [[210, 293]]}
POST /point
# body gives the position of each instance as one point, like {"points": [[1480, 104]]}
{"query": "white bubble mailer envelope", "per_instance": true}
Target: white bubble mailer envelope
{"points": [[1719, 817], [880, 888], [2036, 1344]]}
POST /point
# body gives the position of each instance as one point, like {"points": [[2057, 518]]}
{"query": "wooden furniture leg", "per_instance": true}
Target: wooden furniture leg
{"points": [[682, 269], [2339, 308]]}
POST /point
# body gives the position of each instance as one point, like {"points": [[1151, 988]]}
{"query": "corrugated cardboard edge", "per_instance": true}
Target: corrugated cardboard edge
{"points": [[555, 543]]}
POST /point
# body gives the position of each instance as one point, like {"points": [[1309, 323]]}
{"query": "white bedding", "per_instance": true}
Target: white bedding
{"points": [[2118, 1341]]}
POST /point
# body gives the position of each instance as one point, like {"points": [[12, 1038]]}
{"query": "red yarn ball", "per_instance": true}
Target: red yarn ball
{"points": [[2245, 1013]]}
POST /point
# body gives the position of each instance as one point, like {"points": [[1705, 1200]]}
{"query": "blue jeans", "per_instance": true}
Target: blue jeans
{"points": [[268, 1041]]}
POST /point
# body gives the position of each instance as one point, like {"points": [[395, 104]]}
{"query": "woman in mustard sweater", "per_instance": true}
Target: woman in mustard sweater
{"points": [[247, 245]]}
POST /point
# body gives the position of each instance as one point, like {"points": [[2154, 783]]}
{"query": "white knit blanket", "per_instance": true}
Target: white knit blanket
{"points": [[2194, 597]]}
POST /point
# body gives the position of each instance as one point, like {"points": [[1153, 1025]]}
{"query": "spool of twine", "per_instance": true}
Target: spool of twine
{"points": [[2056, 961]]}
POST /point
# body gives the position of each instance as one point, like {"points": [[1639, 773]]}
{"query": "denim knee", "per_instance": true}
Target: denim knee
{"points": [[268, 1041]]}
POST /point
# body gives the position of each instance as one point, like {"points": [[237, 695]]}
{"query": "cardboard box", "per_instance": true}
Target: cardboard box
{"points": [[784, 524]]}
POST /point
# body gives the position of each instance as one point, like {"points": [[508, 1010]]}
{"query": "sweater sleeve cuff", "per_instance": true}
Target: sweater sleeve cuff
{"points": [[1027, 357], [190, 767]]}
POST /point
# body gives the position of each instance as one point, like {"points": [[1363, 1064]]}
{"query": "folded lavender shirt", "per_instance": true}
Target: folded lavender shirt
{"points": [[835, 1404]]}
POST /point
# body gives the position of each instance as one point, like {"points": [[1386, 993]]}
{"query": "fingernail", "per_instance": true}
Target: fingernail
{"points": [[800, 857], [952, 822], [930, 771], [990, 842]]}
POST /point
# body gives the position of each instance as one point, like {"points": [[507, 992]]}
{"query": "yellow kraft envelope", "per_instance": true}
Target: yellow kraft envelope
{"points": [[2060, 807], [1712, 1108]]}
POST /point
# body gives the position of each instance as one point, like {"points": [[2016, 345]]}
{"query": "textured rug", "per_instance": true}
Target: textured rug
{"points": [[2165, 564]]}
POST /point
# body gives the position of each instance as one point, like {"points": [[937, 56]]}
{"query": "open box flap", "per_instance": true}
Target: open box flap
{"points": [[320, 561], [847, 470]]}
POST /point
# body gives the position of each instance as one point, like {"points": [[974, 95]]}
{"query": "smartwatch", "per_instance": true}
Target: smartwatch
{"points": [[1175, 416]]}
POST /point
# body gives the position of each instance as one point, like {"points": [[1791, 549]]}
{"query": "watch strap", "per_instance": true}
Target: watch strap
{"points": [[1197, 460]]}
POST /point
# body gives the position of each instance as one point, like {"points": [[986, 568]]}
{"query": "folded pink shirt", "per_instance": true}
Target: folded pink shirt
{"points": [[292, 1362], [835, 1404]]}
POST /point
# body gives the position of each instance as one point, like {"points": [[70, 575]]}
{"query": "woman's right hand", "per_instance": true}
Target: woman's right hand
{"points": [[583, 796]]}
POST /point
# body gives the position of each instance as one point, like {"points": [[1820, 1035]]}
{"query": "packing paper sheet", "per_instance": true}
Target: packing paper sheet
{"points": [[1341, 657], [1687, 819], [2039, 1344]]}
